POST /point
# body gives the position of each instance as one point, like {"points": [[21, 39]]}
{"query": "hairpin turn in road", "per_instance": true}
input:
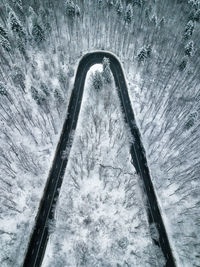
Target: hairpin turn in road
{"points": [[40, 235]]}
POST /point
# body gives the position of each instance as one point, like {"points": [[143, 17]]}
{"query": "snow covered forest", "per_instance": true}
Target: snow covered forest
{"points": [[157, 41], [101, 217]]}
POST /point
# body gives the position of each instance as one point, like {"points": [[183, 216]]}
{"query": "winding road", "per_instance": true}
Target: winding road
{"points": [[40, 234]]}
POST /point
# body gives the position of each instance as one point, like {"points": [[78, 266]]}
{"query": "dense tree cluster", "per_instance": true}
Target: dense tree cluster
{"points": [[97, 80]]}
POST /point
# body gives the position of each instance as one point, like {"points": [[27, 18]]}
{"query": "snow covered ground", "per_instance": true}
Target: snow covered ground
{"points": [[100, 216]]}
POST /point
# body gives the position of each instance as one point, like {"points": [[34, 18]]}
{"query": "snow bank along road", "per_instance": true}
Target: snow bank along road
{"points": [[39, 238]]}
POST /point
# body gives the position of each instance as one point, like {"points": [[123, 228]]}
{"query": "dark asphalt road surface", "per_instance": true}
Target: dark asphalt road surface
{"points": [[40, 235]]}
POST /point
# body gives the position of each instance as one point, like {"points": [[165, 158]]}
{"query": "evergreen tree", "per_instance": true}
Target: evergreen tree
{"points": [[78, 11], [129, 14], [3, 32], [3, 91], [70, 9], [197, 15], [97, 80], [16, 25], [34, 94], [162, 22], [38, 33], [183, 64], [18, 31], [18, 78], [192, 118], [148, 50], [99, 2], [154, 20], [19, 8], [106, 70], [110, 3], [62, 77], [194, 3], [144, 53], [148, 12], [119, 7], [37, 96], [17, 3], [5, 44], [45, 89], [189, 28], [123, 242], [45, 18], [137, 2], [58, 97], [197, 97], [189, 49]]}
